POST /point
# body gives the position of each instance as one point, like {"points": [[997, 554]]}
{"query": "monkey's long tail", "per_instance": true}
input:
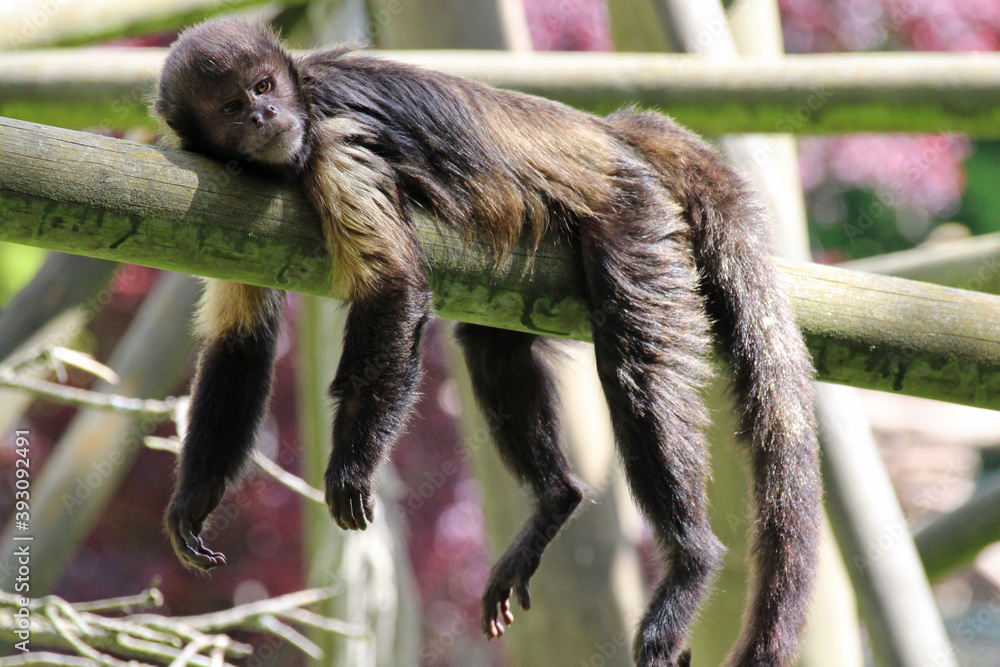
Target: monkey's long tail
{"points": [[752, 319]]}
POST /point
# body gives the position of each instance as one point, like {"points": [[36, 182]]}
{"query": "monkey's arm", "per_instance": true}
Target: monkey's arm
{"points": [[366, 231], [239, 328], [375, 388]]}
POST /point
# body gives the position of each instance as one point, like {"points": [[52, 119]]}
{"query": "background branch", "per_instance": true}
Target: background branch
{"points": [[808, 94]]}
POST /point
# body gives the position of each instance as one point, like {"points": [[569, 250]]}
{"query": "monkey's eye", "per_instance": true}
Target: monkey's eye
{"points": [[262, 87], [232, 107]]}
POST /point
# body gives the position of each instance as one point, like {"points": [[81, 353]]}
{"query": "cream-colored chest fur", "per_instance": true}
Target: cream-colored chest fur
{"points": [[355, 195]]}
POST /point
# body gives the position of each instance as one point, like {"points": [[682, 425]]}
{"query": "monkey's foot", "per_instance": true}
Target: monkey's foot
{"points": [[351, 505], [186, 541], [511, 574]]}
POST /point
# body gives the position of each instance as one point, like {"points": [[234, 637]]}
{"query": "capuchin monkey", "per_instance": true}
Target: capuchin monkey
{"points": [[673, 246]]}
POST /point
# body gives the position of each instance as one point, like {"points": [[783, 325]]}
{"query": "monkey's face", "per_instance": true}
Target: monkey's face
{"points": [[255, 115], [229, 91]]}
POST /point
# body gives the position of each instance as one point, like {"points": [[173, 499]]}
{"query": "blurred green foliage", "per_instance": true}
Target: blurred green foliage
{"points": [[980, 208], [18, 264]]}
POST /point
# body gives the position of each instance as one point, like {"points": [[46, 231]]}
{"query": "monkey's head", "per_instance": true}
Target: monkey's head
{"points": [[230, 91]]}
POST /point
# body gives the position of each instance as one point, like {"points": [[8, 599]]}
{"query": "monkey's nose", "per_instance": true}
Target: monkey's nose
{"points": [[260, 117]]}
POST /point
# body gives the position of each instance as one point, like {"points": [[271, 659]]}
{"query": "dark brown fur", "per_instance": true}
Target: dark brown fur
{"points": [[673, 244]]}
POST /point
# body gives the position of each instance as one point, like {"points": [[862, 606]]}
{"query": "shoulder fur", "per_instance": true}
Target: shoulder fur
{"points": [[482, 159], [228, 308]]}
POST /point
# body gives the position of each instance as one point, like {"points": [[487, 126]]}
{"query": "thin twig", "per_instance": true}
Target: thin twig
{"points": [[151, 597], [162, 640], [49, 659], [312, 619], [85, 398], [290, 635], [185, 657], [163, 653], [86, 363], [293, 482], [239, 615], [282, 476]]}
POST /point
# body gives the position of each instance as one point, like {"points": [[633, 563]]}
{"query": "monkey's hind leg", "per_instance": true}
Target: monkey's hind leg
{"points": [[516, 390], [649, 342], [239, 325]]}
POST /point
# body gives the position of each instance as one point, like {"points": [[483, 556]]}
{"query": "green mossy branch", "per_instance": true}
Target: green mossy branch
{"points": [[128, 202]]}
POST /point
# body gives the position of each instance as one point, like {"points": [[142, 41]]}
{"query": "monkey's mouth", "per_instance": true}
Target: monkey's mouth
{"points": [[279, 134], [281, 147]]}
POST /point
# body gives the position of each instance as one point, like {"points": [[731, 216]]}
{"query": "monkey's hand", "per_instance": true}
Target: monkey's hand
{"points": [[351, 504], [187, 513], [511, 574]]}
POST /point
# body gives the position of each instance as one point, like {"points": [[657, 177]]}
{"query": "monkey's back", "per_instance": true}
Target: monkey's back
{"points": [[479, 157]]}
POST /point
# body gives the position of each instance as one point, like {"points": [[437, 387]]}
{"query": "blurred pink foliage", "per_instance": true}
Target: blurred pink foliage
{"points": [[922, 174], [814, 26], [569, 25], [914, 171]]}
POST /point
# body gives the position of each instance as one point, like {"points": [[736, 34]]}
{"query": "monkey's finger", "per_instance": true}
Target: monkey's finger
{"points": [[340, 509], [684, 660], [369, 504], [506, 613], [338, 518], [189, 546], [489, 624], [345, 518], [335, 515], [358, 511], [498, 627], [496, 612], [523, 592], [204, 558]]}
